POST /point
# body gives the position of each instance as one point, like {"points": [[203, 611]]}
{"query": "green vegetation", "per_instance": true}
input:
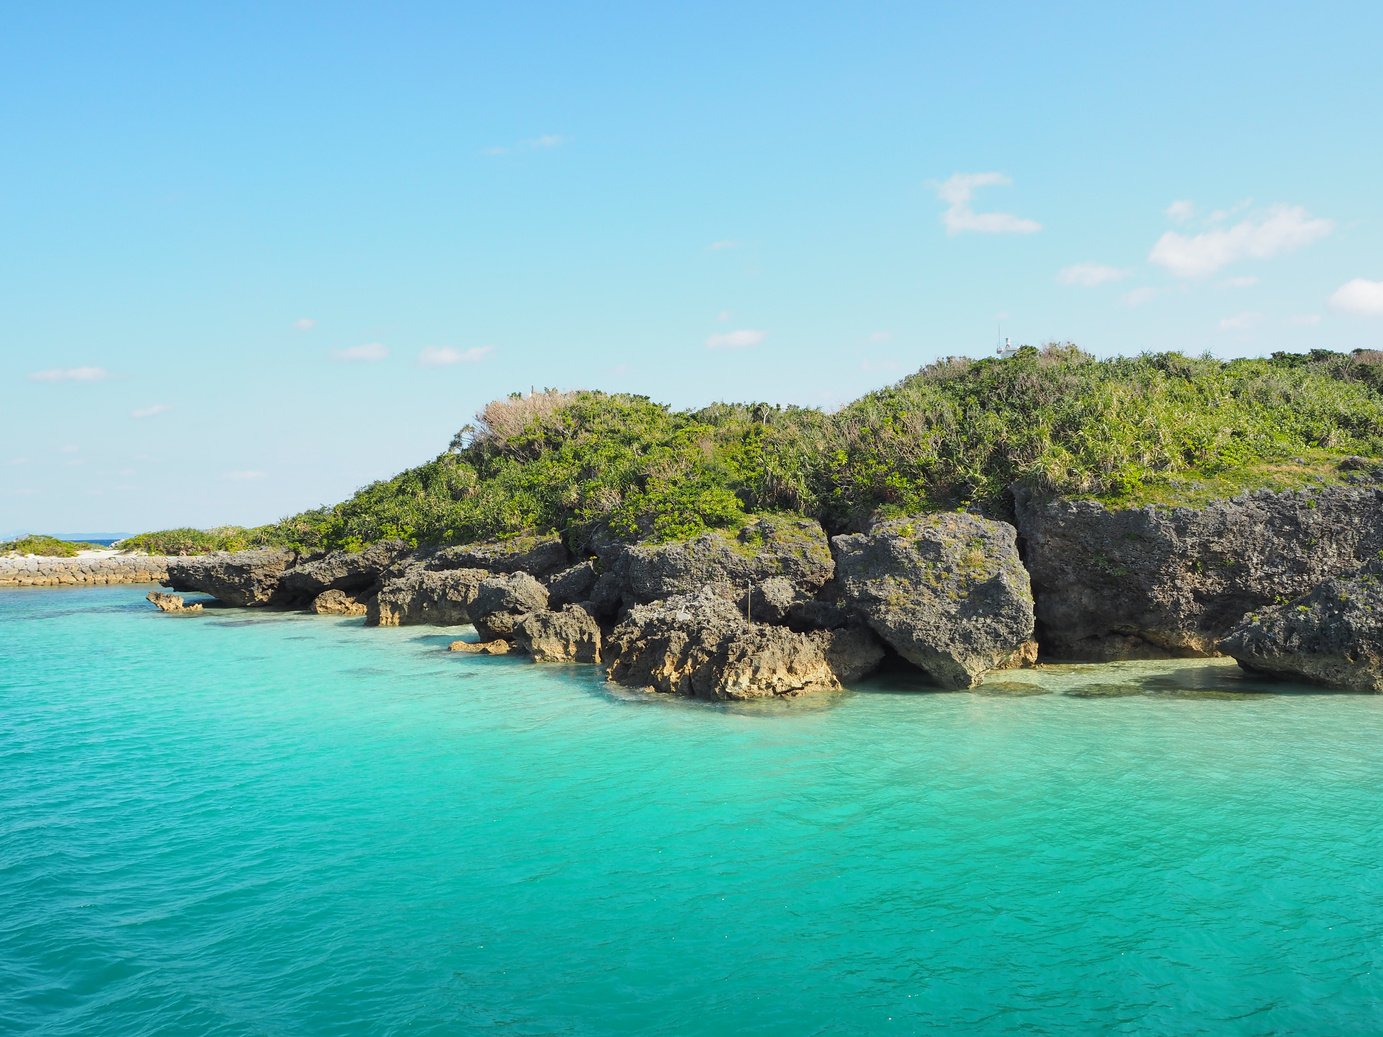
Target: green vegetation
{"points": [[201, 541], [1153, 429], [50, 547]]}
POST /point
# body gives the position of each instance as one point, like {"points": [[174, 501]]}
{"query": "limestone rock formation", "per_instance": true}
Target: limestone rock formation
{"points": [[699, 645], [571, 635], [171, 602], [538, 555], [481, 647], [341, 570], [948, 592], [572, 585], [414, 595], [851, 652], [500, 601], [1143, 582], [1332, 635], [238, 578], [338, 603], [793, 550]]}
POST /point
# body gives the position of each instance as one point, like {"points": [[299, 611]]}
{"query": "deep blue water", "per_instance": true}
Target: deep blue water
{"points": [[243, 823]]}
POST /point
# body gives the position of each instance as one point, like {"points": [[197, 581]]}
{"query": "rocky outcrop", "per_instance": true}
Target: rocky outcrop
{"points": [[1143, 582], [852, 653], [571, 635], [239, 578], [414, 595], [171, 603], [1332, 635], [537, 555], [947, 592], [481, 647], [501, 601], [341, 571], [572, 585], [794, 551], [42, 571], [338, 603], [699, 645]]}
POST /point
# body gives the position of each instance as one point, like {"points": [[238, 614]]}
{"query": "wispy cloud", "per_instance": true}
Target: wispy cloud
{"points": [[71, 374], [959, 217], [745, 338], [150, 411], [16, 461], [1359, 296], [1281, 229], [367, 353], [544, 142], [717, 246], [1180, 211], [444, 356], [1240, 321], [1248, 281], [724, 315], [245, 475], [304, 324], [1090, 275], [881, 336], [1140, 296]]}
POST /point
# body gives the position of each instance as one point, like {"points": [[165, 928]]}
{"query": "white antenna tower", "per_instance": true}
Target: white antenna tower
{"points": [[1007, 348]]}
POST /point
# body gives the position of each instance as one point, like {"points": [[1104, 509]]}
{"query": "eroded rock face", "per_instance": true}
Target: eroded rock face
{"points": [[1144, 582], [500, 601], [481, 647], [947, 592], [415, 596], [851, 652], [171, 602], [699, 645], [338, 603], [571, 635], [239, 578], [1332, 635], [341, 570], [793, 551], [572, 585], [536, 555]]}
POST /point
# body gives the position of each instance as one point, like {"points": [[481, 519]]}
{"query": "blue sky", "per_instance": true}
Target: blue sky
{"points": [[258, 255]]}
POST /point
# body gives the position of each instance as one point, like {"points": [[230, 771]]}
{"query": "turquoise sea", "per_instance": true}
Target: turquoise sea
{"points": [[247, 823]]}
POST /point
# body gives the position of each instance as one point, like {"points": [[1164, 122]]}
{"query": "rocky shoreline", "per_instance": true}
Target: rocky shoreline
{"points": [[779, 608], [36, 571]]}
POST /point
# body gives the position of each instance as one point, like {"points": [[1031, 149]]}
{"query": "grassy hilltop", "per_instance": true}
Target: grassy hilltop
{"points": [[1156, 428]]}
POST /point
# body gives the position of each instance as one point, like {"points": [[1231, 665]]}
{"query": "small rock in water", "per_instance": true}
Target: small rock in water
{"points": [[496, 647], [171, 602]]}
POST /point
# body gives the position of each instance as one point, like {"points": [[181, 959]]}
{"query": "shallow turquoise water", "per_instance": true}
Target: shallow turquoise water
{"points": [[270, 824]]}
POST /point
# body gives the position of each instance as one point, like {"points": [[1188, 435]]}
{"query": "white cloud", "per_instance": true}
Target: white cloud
{"points": [[1306, 320], [1090, 275], [150, 411], [1359, 296], [369, 352], [443, 356], [717, 246], [547, 140], [1240, 322], [959, 218], [881, 336], [1240, 282], [70, 448], [724, 315], [245, 475], [71, 374], [15, 461], [1180, 211], [1139, 296], [1282, 229], [304, 324], [742, 339]]}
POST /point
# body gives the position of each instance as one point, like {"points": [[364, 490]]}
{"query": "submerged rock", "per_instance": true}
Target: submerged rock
{"points": [[947, 592], [1331, 636], [571, 635], [699, 645], [418, 596], [171, 602], [239, 578], [1147, 582], [338, 603], [500, 601]]}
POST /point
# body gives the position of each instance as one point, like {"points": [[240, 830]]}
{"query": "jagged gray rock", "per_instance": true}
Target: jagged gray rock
{"points": [[171, 602], [1332, 635], [851, 652], [338, 603], [500, 601], [794, 550], [414, 596], [536, 554], [699, 645], [571, 635], [341, 570], [572, 585], [1142, 582], [237, 578], [947, 592]]}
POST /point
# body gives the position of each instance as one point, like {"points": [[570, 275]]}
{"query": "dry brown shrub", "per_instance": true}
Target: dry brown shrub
{"points": [[499, 421]]}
